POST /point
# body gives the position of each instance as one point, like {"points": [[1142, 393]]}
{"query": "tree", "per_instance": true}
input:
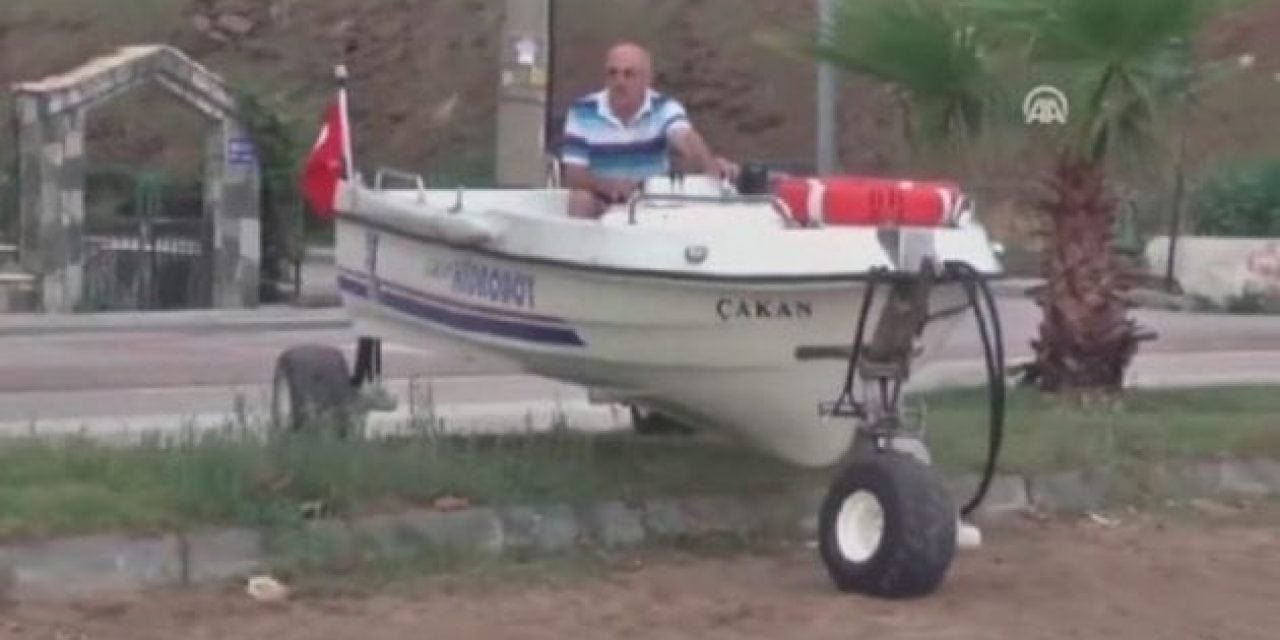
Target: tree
{"points": [[957, 63]]}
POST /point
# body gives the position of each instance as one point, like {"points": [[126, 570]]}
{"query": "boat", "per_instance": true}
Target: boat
{"points": [[716, 309], [786, 312]]}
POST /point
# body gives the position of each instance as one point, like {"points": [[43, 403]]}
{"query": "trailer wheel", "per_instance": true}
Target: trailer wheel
{"points": [[312, 389], [887, 527], [648, 422]]}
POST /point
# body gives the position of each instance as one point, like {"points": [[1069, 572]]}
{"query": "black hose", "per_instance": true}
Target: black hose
{"points": [[992, 336], [858, 337], [993, 355]]}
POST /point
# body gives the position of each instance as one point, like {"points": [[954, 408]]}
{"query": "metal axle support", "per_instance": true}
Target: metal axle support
{"points": [[366, 376], [368, 366], [883, 364]]}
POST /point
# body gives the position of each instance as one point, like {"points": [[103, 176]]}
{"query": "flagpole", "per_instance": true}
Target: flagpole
{"points": [[340, 72]]}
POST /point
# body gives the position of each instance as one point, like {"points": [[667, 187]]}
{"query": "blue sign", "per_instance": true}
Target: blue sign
{"points": [[240, 151]]}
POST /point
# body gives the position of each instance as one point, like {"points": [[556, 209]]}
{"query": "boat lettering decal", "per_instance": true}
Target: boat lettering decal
{"points": [[755, 309], [432, 310], [485, 282]]}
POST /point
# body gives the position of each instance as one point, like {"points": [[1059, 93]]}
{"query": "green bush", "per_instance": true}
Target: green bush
{"points": [[1240, 201]]}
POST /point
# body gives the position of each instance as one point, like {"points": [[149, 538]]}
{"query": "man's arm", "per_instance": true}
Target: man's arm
{"points": [[694, 150], [575, 160], [579, 177]]}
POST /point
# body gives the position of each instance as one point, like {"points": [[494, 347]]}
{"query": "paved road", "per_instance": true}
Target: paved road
{"points": [[159, 376]]}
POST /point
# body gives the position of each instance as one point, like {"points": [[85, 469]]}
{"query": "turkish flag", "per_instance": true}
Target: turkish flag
{"points": [[325, 165]]}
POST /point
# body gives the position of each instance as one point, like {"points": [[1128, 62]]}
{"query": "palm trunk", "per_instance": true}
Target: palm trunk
{"points": [[1086, 339]]}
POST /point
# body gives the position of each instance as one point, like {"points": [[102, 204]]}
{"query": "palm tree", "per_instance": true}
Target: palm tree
{"points": [[956, 62]]}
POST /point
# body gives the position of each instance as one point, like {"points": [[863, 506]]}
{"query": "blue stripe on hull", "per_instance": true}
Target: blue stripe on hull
{"points": [[462, 321]]}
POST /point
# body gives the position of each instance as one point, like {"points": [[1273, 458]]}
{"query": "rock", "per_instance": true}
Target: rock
{"points": [[343, 28], [553, 528], [663, 519], [225, 554], [715, 514], [1213, 508], [280, 12], [1070, 490], [442, 114], [471, 529], [1103, 521], [450, 503], [614, 525], [1249, 478], [201, 23], [267, 589], [235, 24]]}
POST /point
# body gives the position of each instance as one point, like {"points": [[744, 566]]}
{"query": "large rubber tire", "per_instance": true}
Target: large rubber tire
{"points": [[887, 527], [312, 389]]}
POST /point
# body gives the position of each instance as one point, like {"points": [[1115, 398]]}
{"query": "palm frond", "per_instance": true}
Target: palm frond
{"points": [[1139, 46], [929, 50]]}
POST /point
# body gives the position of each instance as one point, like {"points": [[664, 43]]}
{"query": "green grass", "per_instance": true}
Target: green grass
{"points": [[234, 476], [1045, 433]]}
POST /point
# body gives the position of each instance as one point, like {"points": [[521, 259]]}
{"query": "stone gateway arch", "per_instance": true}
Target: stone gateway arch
{"points": [[50, 117]]}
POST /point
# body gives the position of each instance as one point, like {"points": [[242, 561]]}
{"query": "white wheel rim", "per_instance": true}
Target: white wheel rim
{"points": [[859, 526], [281, 403]]}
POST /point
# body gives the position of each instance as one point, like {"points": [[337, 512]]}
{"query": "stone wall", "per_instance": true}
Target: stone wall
{"points": [[51, 117]]}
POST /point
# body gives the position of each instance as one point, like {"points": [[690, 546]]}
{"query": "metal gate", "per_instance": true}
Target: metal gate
{"points": [[9, 204], [147, 242]]}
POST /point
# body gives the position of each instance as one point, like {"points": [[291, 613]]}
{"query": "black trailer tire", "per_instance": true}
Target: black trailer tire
{"points": [[887, 527], [647, 422], [312, 389]]}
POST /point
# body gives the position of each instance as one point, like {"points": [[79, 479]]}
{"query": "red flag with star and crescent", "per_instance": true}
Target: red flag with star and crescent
{"points": [[326, 164]]}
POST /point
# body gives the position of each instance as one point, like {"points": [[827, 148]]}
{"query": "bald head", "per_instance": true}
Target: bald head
{"points": [[629, 54], [628, 73]]}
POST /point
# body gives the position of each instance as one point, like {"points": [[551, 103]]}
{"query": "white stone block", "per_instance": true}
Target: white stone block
{"points": [[1221, 268]]}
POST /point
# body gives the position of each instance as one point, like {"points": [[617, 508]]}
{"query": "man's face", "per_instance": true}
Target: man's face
{"points": [[627, 78]]}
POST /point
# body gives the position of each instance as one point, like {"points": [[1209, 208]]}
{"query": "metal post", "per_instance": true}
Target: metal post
{"points": [[1175, 219], [522, 94], [826, 98]]}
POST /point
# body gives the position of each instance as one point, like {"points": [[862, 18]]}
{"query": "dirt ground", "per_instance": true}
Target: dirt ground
{"points": [[1143, 577]]}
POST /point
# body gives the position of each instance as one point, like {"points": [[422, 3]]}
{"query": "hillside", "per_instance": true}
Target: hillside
{"points": [[424, 74]]}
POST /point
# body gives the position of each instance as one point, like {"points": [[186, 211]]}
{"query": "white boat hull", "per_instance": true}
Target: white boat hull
{"points": [[753, 355]]}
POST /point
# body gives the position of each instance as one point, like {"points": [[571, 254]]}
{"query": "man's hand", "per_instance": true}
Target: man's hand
{"points": [[726, 169], [690, 145], [611, 190], [615, 190]]}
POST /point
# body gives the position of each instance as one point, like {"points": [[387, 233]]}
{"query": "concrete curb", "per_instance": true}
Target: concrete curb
{"points": [[272, 318], [76, 567], [534, 415]]}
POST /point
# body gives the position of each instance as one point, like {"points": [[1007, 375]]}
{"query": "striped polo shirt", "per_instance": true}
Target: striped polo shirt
{"points": [[595, 138]]}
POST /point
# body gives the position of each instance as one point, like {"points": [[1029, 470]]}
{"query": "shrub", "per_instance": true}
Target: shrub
{"points": [[1240, 201]]}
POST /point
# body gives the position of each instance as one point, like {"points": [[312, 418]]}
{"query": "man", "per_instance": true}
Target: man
{"points": [[616, 138]]}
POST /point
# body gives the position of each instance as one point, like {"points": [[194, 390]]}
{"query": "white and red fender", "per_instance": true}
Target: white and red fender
{"points": [[861, 200]]}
